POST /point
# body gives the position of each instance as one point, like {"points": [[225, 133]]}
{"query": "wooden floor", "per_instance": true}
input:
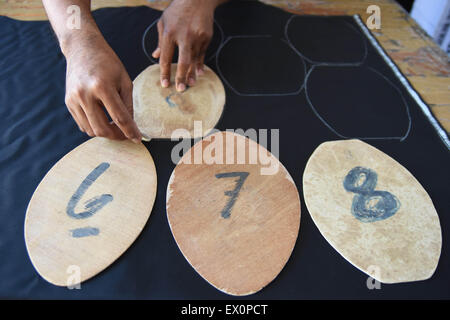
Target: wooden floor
{"points": [[426, 66]]}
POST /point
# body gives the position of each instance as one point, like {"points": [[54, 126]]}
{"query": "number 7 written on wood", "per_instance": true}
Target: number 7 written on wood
{"points": [[233, 194]]}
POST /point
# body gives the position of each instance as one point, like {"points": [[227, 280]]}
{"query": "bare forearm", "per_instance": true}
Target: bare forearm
{"points": [[70, 38]]}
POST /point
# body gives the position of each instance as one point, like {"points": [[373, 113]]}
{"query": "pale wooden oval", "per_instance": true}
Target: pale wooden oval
{"points": [[243, 253], [404, 247], [158, 118], [130, 179]]}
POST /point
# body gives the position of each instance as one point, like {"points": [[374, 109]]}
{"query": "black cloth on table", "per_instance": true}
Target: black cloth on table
{"points": [[265, 55]]}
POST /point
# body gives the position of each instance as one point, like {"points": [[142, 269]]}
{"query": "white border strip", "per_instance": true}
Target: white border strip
{"points": [[404, 81]]}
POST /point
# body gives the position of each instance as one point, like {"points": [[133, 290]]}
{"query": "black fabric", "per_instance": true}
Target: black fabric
{"points": [[286, 69], [334, 102], [352, 105], [331, 39]]}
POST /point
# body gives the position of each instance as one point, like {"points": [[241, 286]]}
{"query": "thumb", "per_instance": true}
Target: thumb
{"points": [[157, 53]]}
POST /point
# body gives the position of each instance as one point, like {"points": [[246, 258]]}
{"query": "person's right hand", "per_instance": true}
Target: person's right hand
{"points": [[187, 24], [96, 80]]}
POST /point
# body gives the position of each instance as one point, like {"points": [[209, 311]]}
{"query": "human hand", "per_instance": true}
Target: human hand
{"points": [[97, 80], [187, 24]]}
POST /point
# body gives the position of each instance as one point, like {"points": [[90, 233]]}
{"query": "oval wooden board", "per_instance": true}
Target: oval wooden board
{"points": [[386, 225], [89, 208], [241, 249], [159, 111]]}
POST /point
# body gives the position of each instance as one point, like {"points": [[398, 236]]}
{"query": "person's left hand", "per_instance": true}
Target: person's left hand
{"points": [[187, 24]]}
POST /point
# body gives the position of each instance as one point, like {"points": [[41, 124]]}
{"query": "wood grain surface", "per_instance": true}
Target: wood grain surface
{"points": [[159, 111], [425, 65], [82, 216], [235, 223], [372, 211]]}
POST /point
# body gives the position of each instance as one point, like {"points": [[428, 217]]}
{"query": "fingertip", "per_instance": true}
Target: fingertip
{"points": [[156, 53], [165, 83], [181, 87], [191, 81], [138, 137]]}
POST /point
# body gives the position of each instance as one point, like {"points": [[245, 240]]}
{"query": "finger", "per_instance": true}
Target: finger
{"points": [[166, 51], [184, 63], [192, 74], [120, 115], [84, 122], [98, 120], [201, 59], [74, 116], [118, 134], [192, 71], [200, 68], [156, 53], [126, 94], [71, 107], [165, 62]]}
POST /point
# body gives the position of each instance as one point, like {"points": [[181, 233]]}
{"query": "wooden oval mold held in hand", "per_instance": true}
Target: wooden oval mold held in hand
{"points": [[372, 211], [236, 224], [159, 111], [88, 209]]}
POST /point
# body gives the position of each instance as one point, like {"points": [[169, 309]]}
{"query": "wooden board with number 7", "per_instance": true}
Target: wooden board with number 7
{"points": [[236, 226]]}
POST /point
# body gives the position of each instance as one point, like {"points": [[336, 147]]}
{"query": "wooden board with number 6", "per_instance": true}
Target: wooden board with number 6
{"points": [[88, 209]]}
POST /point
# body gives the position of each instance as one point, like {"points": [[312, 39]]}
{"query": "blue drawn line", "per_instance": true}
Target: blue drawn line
{"points": [[226, 212], [169, 97], [93, 205], [368, 204], [169, 101], [351, 182], [85, 232]]}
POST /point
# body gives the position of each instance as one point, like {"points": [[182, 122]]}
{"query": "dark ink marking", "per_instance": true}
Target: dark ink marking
{"points": [[85, 232], [353, 182], [369, 205], [93, 205], [169, 101], [226, 212]]}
